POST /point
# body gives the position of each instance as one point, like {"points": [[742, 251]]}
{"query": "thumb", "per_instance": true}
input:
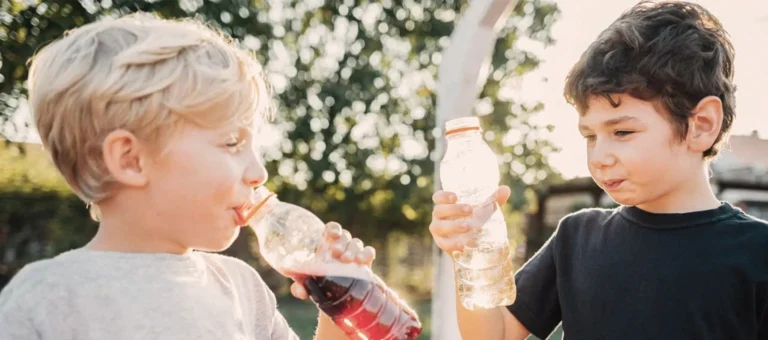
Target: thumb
{"points": [[298, 291], [502, 195]]}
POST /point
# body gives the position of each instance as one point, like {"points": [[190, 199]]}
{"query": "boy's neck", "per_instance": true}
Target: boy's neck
{"points": [[110, 241], [690, 196], [130, 233]]}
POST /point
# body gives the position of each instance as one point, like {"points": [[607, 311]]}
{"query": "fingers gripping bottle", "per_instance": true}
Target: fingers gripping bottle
{"points": [[483, 269], [291, 239]]}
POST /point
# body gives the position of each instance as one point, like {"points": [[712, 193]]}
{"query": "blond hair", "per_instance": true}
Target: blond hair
{"points": [[142, 74]]}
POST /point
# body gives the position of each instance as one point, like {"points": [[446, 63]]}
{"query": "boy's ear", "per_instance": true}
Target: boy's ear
{"points": [[123, 155], [704, 124]]}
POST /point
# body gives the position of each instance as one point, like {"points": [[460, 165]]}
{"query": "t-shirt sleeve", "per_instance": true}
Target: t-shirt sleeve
{"points": [[257, 300], [537, 305]]}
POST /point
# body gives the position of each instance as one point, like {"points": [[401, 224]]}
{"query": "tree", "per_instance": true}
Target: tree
{"points": [[355, 83]]}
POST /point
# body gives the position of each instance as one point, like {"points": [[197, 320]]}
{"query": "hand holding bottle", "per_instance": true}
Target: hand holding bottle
{"points": [[343, 247], [450, 221], [331, 268]]}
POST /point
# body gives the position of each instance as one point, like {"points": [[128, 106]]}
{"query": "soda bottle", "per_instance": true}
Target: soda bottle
{"points": [[291, 239], [483, 269]]}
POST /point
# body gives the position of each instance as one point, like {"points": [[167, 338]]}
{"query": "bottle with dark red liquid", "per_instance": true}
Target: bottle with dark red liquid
{"points": [[359, 302]]}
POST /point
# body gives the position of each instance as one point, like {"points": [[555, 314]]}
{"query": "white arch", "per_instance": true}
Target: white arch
{"points": [[462, 73]]}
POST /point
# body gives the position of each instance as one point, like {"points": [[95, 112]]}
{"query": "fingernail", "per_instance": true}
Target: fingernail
{"points": [[466, 227], [335, 229], [466, 209]]}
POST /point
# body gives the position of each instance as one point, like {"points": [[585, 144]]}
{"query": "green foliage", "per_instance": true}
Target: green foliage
{"points": [[26, 168], [39, 215], [40, 224], [355, 81]]}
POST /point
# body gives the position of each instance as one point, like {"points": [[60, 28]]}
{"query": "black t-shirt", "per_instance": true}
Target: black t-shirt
{"points": [[630, 274]]}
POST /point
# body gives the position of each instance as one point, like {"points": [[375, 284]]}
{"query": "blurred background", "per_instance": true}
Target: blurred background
{"points": [[355, 132]]}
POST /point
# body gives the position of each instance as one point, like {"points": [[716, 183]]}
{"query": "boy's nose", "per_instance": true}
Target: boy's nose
{"points": [[255, 175], [600, 157]]}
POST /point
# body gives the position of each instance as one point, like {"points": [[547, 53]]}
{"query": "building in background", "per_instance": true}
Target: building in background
{"points": [[740, 174]]}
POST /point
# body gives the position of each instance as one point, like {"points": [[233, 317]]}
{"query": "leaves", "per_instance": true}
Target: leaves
{"points": [[355, 82]]}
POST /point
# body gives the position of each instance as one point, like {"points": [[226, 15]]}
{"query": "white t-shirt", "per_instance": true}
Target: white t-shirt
{"points": [[84, 295]]}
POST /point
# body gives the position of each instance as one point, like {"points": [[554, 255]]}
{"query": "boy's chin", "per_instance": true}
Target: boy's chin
{"points": [[624, 199], [215, 245]]}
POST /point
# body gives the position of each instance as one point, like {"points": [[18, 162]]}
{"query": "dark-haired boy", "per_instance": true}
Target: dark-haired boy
{"points": [[656, 102]]}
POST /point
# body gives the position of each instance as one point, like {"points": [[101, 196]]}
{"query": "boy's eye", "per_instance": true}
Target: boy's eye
{"points": [[235, 143], [623, 133], [590, 138]]}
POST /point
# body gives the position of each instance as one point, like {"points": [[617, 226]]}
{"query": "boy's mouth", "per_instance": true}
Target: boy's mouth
{"points": [[242, 215], [612, 184]]}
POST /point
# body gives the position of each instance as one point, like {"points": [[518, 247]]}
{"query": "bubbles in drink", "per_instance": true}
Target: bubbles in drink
{"points": [[485, 277]]}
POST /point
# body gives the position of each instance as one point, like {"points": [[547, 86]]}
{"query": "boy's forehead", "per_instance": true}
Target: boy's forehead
{"points": [[239, 124], [620, 108]]}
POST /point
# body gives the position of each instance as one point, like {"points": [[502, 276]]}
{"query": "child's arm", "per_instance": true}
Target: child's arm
{"points": [[536, 304], [497, 323], [344, 248], [327, 330]]}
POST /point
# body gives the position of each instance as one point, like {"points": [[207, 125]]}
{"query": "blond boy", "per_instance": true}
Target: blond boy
{"points": [[151, 123]]}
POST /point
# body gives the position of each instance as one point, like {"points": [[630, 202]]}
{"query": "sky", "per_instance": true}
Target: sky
{"points": [[582, 20]]}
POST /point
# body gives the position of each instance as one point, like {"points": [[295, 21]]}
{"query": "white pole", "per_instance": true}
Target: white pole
{"points": [[462, 73]]}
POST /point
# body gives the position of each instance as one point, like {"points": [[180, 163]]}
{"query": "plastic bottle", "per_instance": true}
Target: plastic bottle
{"points": [[359, 302], [484, 273]]}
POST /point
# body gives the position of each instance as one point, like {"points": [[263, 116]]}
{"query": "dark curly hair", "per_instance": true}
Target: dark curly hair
{"points": [[673, 54]]}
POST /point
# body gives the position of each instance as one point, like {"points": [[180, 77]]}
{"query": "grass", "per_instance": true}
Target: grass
{"points": [[302, 316]]}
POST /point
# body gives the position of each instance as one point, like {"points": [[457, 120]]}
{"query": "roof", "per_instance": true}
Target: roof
{"points": [[747, 150]]}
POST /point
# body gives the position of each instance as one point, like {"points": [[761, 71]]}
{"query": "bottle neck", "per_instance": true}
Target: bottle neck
{"points": [[469, 134], [262, 208]]}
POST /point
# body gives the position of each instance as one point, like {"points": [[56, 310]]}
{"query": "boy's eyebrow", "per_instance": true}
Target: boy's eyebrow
{"points": [[618, 120], [609, 122]]}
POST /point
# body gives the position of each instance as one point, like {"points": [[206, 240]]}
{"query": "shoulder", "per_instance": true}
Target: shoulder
{"points": [[749, 228], [238, 270], [746, 238], [751, 221], [37, 283], [742, 228], [234, 267], [582, 225], [231, 264], [256, 297], [588, 217]]}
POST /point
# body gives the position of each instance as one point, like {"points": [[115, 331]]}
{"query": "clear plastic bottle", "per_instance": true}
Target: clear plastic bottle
{"points": [[359, 302], [483, 269]]}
